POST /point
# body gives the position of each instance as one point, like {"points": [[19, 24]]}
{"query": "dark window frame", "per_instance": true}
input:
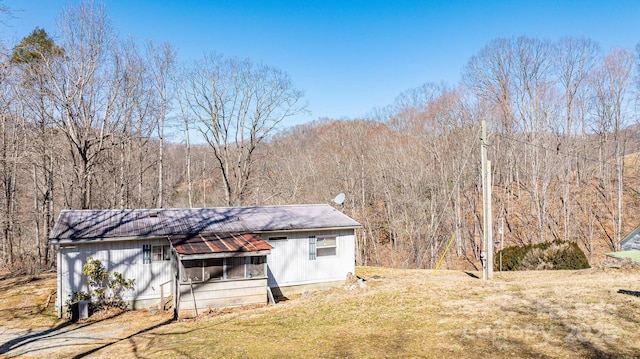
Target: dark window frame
{"points": [[146, 253], [164, 252], [250, 269], [278, 238]]}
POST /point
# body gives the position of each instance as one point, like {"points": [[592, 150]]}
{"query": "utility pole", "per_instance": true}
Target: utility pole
{"points": [[501, 232], [487, 241], [489, 230]]}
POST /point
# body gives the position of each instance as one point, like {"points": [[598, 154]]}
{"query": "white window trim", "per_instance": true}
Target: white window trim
{"points": [[314, 246]]}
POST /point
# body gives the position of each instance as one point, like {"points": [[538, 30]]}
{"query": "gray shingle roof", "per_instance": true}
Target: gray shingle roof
{"points": [[631, 241], [140, 223]]}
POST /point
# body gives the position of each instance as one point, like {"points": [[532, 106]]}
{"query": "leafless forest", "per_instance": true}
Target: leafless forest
{"points": [[85, 123]]}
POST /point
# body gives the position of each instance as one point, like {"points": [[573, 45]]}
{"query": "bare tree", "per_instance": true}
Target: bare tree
{"points": [[11, 151], [238, 104], [489, 76], [161, 59], [85, 86], [178, 79], [610, 83], [573, 61]]}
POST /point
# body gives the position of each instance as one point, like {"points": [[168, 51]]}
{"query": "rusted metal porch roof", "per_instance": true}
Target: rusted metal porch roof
{"points": [[214, 243]]}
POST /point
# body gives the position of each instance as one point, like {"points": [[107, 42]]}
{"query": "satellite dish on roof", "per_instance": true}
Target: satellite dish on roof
{"points": [[339, 198]]}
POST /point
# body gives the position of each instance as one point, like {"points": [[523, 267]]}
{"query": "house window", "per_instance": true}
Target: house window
{"points": [[212, 269], [255, 267], [193, 271], [326, 246], [322, 247], [235, 268], [160, 253], [223, 269], [202, 270]]}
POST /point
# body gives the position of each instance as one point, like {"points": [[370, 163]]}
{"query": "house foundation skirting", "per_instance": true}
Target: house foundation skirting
{"points": [[223, 294]]}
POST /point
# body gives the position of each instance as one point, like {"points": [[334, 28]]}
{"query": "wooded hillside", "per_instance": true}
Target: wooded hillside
{"points": [[83, 124]]}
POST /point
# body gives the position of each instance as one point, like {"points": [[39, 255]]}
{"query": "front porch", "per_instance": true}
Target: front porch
{"points": [[218, 271]]}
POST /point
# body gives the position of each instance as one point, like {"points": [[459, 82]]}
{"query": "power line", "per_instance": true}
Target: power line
{"points": [[549, 149], [448, 201]]}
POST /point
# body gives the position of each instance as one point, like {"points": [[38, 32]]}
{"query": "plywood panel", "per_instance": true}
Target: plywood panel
{"points": [[223, 294], [215, 292]]}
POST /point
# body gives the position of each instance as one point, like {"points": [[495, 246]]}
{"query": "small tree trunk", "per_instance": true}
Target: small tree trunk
{"points": [[160, 163], [188, 160], [36, 216]]}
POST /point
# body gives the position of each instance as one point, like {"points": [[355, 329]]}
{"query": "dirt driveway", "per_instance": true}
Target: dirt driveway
{"points": [[29, 325], [78, 340]]}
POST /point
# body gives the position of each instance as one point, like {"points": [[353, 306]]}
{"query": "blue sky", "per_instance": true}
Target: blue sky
{"points": [[348, 56]]}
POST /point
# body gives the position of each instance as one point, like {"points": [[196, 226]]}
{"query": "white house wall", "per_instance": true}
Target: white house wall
{"points": [[289, 263], [125, 257]]}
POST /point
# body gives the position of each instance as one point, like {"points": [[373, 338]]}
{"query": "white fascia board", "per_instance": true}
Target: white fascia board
{"points": [[67, 241], [305, 229]]}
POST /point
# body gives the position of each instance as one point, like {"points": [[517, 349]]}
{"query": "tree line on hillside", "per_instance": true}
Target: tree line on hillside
{"points": [[84, 124]]}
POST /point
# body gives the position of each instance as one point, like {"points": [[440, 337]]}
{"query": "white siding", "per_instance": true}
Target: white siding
{"points": [[125, 257], [289, 263]]}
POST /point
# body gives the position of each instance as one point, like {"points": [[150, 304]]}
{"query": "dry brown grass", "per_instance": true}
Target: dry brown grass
{"points": [[414, 313], [23, 301]]}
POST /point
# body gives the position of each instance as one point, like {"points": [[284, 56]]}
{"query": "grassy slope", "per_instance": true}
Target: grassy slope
{"points": [[414, 313], [22, 301]]}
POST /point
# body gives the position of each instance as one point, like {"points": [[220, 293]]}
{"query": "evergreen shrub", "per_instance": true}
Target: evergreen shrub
{"points": [[548, 255]]}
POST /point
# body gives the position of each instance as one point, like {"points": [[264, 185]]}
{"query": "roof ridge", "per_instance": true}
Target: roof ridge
{"points": [[190, 209]]}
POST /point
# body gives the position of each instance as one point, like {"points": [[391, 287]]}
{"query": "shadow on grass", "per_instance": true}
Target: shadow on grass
{"points": [[548, 327], [142, 331], [471, 275], [30, 337]]}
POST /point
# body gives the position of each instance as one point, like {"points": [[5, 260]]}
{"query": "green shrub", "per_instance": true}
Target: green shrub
{"points": [[105, 289], [571, 258], [547, 255], [511, 257]]}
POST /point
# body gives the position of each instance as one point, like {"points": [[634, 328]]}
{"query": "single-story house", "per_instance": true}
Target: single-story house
{"points": [[629, 246], [208, 257]]}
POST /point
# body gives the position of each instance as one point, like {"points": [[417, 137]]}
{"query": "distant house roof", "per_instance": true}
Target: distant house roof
{"points": [[218, 243], [90, 225], [631, 241]]}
